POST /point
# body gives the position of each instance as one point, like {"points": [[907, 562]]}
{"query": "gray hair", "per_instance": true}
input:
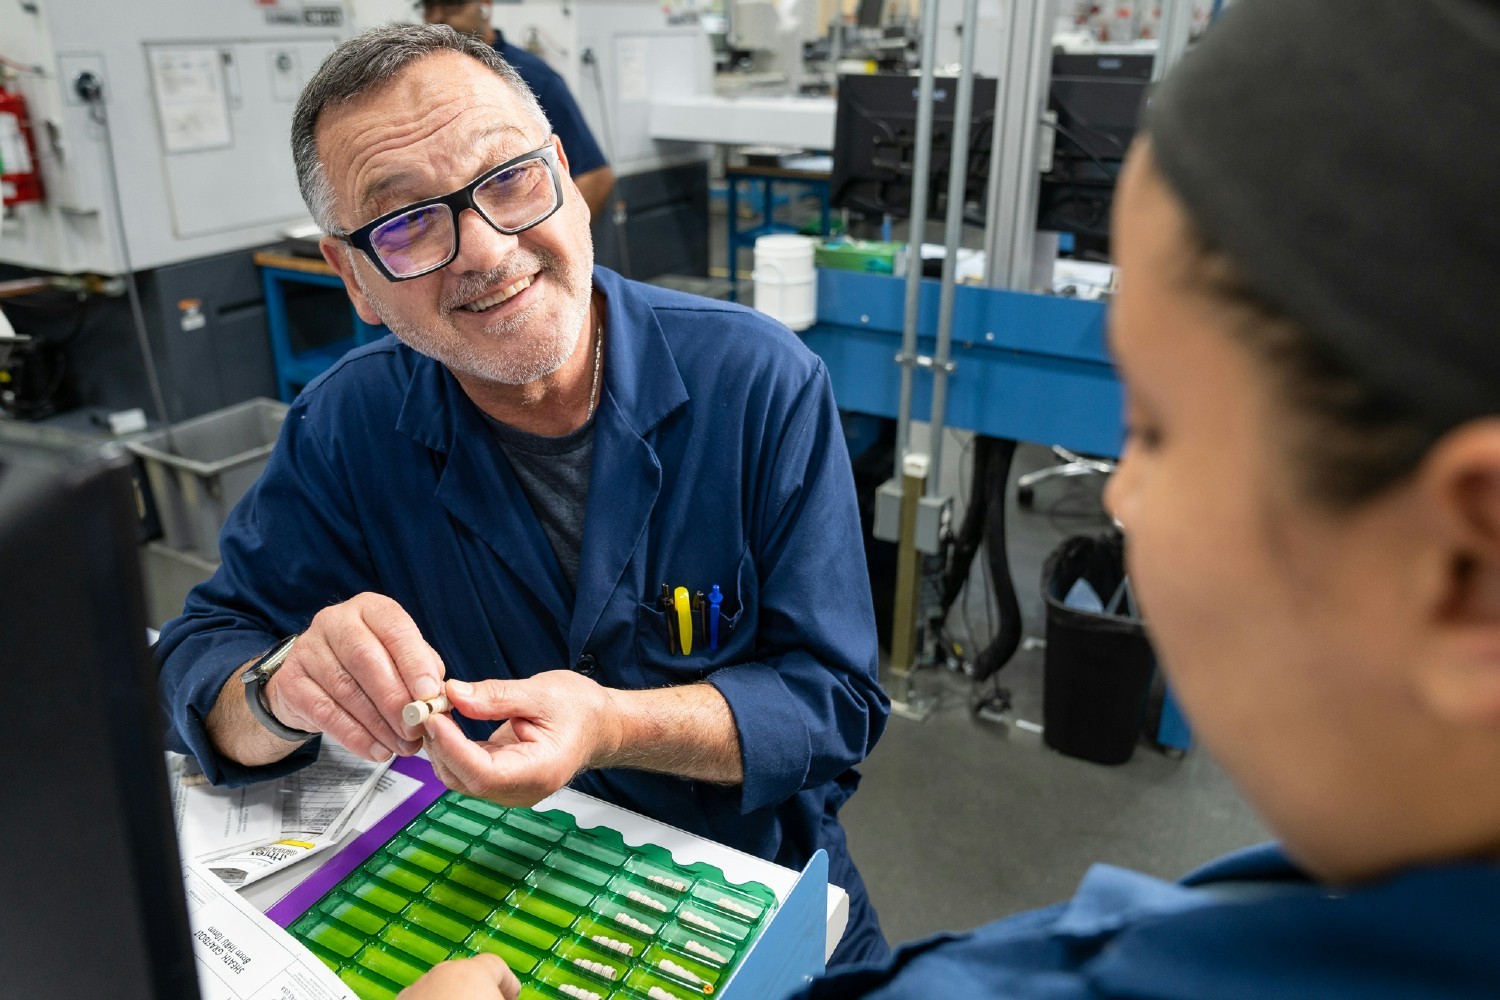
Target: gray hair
{"points": [[364, 63]]}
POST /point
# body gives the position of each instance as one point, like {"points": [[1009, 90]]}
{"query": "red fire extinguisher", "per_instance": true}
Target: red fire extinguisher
{"points": [[20, 180]]}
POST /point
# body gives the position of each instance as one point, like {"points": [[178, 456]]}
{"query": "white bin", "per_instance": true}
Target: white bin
{"points": [[785, 283]]}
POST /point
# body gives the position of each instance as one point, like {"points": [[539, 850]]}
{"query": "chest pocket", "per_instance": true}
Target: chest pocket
{"points": [[662, 657]]}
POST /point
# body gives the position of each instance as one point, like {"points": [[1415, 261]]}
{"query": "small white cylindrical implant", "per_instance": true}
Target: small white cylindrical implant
{"points": [[416, 713]]}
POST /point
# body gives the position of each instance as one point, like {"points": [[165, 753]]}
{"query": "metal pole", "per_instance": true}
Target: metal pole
{"points": [[1176, 26], [921, 163], [1015, 170], [942, 364], [908, 593]]}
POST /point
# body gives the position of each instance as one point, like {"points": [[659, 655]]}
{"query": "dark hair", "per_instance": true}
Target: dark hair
{"points": [[362, 64], [1348, 439]]}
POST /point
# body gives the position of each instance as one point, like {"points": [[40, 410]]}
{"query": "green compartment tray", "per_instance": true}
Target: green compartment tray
{"points": [[575, 913]]}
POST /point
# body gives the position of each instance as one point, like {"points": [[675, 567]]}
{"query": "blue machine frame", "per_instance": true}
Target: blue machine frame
{"points": [[1027, 367]]}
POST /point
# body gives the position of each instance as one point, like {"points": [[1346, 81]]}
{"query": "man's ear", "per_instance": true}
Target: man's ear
{"points": [[1459, 481], [340, 257]]}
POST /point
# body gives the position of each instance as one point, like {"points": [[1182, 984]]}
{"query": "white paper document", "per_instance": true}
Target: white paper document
{"points": [[243, 835], [242, 955], [190, 99]]}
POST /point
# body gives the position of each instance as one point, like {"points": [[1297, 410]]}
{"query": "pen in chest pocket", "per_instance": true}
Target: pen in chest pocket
{"points": [[715, 599], [670, 614], [684, 619]]}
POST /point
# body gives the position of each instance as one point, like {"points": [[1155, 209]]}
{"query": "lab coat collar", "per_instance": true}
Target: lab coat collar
{"points": [[641, 387], [640, 375]]}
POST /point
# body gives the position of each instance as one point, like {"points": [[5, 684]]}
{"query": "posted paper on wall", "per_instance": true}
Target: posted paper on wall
{"points": [[190, 101]]}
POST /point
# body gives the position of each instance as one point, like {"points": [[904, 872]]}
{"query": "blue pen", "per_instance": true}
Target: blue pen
{"points": [[715, 598]]}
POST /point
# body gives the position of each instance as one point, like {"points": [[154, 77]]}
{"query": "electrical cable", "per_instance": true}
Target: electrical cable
{"points": [[1008, 631], [620, 210], [91, 89], [1084, 123], [21, 67], [1111, 173]]}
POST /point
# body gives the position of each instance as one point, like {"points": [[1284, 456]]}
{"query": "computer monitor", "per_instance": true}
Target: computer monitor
{"points": [[874, 144], [1096, 101], [870, 13], [90, 883]]}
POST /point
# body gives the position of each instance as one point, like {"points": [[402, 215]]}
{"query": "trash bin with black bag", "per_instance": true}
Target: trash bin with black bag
{"points": [[1097, 670]]}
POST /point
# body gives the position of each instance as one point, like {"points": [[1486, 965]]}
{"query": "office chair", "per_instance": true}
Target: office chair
{"points": [[1072, 464]]}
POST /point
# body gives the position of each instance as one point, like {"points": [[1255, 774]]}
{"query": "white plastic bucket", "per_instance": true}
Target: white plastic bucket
{"points": [[786, 286]]}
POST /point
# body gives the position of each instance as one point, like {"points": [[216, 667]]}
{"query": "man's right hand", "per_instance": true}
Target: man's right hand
{"points": [[349, 675], [483, 977]]}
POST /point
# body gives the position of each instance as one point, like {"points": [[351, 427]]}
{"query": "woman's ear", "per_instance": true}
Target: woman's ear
{"points": [[1459, 482]]}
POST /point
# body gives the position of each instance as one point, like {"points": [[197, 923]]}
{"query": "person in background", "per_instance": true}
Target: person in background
{"points": [[591, 172], [1308, 241], [488, 503]]}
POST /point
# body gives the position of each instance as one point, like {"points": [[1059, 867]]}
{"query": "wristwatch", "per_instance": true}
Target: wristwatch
{"points": [[255, 677]]}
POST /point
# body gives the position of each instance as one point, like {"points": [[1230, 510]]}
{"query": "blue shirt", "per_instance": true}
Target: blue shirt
{"points": [[718, 459], [557, 101], [1250, 926]]}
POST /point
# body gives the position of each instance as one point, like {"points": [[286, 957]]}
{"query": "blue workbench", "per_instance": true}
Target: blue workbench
{"points": [[1028, 367]]}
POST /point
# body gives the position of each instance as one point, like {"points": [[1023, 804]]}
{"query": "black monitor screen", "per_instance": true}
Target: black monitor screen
{"points": [[90, 882], [1097, 102], [875, 143]]}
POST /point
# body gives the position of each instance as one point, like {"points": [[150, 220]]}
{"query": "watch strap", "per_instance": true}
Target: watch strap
{"points": [[256, 679]]}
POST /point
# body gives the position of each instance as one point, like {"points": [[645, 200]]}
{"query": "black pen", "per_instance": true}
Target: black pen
{"points": [[670, 614], [700, 609]]}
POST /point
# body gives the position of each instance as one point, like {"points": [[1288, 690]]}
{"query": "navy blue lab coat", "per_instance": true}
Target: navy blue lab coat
{"points": [[718, 459], [1250, 926]]}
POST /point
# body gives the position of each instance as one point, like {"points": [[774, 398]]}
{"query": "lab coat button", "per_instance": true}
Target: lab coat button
{"points": [[586, 665]]}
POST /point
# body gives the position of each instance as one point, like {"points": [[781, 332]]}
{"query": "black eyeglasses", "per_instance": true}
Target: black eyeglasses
{"points": [[422, 237]]}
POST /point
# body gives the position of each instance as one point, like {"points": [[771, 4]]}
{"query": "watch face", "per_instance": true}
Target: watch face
{"points": [[262, 669]]}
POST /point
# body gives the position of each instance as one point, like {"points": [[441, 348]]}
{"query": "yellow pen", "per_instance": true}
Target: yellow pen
{"points": [[684, 618]]}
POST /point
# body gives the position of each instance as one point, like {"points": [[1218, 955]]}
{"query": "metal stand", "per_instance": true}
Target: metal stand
{"points": [[905, 701]]}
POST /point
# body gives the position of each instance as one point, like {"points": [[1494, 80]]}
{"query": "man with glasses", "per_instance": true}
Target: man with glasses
{"points": [[591, 173], [489, 504]]}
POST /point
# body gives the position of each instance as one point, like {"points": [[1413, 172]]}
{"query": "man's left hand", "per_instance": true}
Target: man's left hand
{"points": [[556, 724]]}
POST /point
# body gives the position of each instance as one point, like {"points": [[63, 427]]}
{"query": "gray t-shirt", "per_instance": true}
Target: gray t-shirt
{"points": [[554, 473]]}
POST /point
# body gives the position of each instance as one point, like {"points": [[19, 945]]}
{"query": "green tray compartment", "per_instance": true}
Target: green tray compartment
{"points": [[578, 868], [546, 827], [642, 980], [712, 924], [426, 948], [695, 946], [542, 906], [540, 936], [389, 963], [708, 975], [521, 959], [368, 986], [564, 889], [358, 916], [590, 926], [730, 901]]}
